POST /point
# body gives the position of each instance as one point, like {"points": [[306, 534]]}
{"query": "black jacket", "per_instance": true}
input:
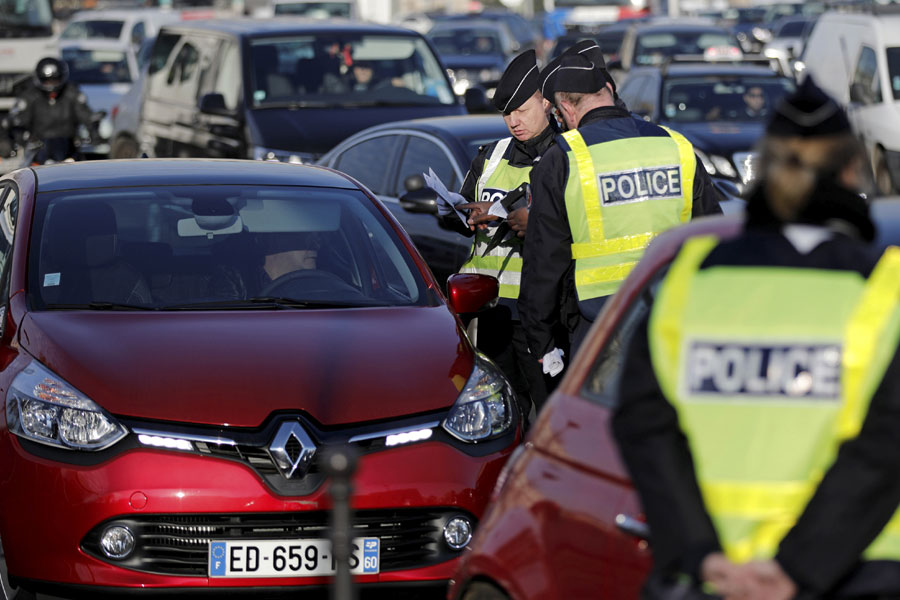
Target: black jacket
{"points": [[547, 294], [47, 116], [860, 491]]}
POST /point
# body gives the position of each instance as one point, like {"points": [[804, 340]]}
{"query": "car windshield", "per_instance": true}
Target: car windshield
{"points": [[315, 10], [80, 30], [25, 13], [216, 247], [97, 66], [722, 98], [346, 70], [791, 29], [652, 48], [468, 41], [893, 64]]}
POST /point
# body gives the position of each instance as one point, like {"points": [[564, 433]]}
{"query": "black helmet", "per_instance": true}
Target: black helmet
{"points": [[51, 74]]}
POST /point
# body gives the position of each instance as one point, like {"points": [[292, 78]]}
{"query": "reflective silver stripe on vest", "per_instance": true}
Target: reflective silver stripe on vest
{"points": [[504, 277], [492, 164]]}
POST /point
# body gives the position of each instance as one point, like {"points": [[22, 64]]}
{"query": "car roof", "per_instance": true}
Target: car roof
{"points": [[182, 171], [677, 27], [475, 23], [461, 126], [247, 27], [714, 68], [97, 44]]}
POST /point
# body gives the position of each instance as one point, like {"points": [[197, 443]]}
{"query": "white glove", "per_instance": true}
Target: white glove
{"points": [[553, 362]]}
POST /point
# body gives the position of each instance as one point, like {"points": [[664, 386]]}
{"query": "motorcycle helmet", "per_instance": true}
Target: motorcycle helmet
{"points": [[51, 74]]}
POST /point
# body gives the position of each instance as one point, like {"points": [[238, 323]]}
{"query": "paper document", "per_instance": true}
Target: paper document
{"points": [[446, 199]]}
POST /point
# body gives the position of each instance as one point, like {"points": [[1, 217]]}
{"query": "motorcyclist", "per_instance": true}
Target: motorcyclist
{"points": [[49, 112]]}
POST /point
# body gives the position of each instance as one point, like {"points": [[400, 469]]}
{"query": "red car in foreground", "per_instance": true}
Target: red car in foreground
{"points": [[181, 340]]}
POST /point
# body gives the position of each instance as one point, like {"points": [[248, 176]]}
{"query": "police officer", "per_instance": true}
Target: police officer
{"points": [[599, 197], [50, 112], [499, 169], [758, 411]]}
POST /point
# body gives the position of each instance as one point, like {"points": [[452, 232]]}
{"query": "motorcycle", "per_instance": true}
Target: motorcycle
{"points": [[23, 151]]}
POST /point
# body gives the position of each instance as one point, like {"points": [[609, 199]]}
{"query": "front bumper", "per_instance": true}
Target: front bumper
{"points": [[50, 510]]}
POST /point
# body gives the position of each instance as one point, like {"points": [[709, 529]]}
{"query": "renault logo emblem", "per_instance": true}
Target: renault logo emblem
{"points": [[292, 450]]}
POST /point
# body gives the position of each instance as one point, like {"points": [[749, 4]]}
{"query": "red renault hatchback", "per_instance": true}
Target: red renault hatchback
{"points": [[180, 341]]}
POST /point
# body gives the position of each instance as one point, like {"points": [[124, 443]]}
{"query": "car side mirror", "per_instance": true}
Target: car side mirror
{"points": [[422, 200], [471, 293], [476, 101], [214, 104]]}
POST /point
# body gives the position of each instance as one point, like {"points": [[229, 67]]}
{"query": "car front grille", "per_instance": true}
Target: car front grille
{"points": [[179, 544]]}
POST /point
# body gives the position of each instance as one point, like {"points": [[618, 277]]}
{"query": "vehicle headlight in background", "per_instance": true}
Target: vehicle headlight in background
{"points": [[762, 34], [490, 74], [297, 158], [484, 408], [43, 408], [715, 164]]}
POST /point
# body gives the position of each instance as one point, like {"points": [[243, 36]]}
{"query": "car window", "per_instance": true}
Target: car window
{"points": [[9, 214], [602, 384], [228, 74], [420, 155], [368, 161], [183, 77], [168, 246], [893, 64], [315, 10], [138, 34], [88, 67], [865, 77], [653, 48], [631, 90], [76, 30], [346, 70], [722, 97], [162, 48]]}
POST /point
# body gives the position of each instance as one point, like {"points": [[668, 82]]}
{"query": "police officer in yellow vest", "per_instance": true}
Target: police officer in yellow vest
{"points": [[499, 170], [598, 197], [759, 409]]}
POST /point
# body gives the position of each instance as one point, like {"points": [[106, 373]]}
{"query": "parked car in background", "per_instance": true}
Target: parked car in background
{"points": [[856, 59], [131, 26], [609, 38], [564, 520], [526, 36], [788, 36], [104, 70], [656, 42], [475, 53], [389, 160], [120, 277], [284, 89], [721, 108], [313, 9], [125, 115]]}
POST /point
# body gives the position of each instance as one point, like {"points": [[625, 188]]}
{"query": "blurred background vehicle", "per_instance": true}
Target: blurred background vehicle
{"points": [[313, 9], [473, 52], [26, 36], [855, 57], [131, 26], [788, 36], [389, 159], [104, 70], [125, 114], [525, 35], [721, 108]]}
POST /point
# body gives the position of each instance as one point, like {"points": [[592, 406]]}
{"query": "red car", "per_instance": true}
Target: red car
{"points": [[180, 341]]}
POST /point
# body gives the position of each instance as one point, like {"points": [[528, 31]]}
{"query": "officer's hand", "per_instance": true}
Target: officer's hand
{"points": [[731, 581], [772, 583], [518, 221], [478, 214]]}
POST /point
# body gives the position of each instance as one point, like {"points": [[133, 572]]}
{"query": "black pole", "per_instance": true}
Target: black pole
{"points": [[340, 464]]}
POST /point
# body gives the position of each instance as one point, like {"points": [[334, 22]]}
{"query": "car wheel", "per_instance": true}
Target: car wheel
{"points": [[7, 592], [481, 590], [882, 174], [124, 147]]}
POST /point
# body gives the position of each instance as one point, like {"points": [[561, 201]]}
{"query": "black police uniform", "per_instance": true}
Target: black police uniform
{"points": [[860, 491]]}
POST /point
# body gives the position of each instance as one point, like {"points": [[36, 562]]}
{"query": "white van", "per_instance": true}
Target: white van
{"points": [[855, 57]]}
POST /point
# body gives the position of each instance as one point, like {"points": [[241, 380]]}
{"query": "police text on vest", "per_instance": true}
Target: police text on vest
{"points": [[763, 370], [637, 185]]}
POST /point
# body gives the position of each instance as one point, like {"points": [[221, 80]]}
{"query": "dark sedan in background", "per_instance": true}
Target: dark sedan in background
{"points": [[721, 108], [389, 159], [474, 52]]}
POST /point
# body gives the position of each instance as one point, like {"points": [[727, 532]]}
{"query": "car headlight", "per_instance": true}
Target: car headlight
{"points": [[484, 408], [43, 408], [489, 74], [762, 34], [707, 164], [723, 165], [297, 158]]}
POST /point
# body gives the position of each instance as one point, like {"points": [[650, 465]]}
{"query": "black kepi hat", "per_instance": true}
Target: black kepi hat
{"points": [[576, 73], [518, 83], [808, 112], [591, 51]]}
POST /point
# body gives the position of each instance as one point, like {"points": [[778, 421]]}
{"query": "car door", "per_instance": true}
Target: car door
{"points": [[219, 131]]}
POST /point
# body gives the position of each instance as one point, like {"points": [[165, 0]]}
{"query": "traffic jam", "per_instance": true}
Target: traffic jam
{"points": [[503, 301]]}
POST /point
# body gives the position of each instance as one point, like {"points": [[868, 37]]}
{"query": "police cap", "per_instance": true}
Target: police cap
{"points": [[545, 77], [576, 73], [591, 51], [808, 112], [518, 83]]}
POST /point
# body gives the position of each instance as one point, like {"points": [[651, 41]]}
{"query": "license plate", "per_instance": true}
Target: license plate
{"points": [[289, 558]]}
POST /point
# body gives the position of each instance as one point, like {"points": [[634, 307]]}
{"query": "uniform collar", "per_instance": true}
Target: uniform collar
{"points": [[602, 113], [525, 153]]}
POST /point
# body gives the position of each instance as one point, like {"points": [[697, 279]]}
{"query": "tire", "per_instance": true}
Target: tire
{"points": [[124, 147], [882, 174], [482, 590]]}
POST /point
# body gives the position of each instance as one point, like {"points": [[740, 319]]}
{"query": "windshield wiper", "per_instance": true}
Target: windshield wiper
{"points": [[261, 302], [100, 306]]}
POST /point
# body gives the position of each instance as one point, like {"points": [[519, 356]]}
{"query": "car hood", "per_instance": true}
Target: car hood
{"points": [[720, 137], [317, 130], [104, 97], [237, 368]]}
